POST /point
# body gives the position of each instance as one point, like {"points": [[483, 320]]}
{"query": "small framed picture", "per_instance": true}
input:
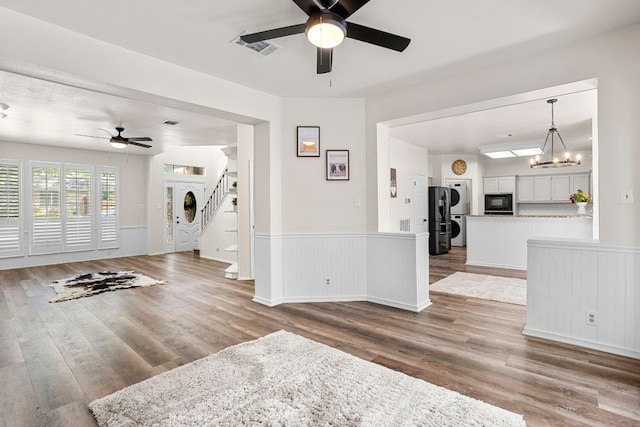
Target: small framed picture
{"points": [[337, 165], [308, 138]]}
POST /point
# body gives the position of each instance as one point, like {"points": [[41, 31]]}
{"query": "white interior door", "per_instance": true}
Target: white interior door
{"points": [[187, 205], [420, 204]]}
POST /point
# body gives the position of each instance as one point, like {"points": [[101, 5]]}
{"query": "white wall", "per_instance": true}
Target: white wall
{"points": [[408, 160], [607, 57], [310, 203]]}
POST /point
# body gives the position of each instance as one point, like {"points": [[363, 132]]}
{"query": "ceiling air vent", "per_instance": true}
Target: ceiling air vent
{"points": [[263, 48]]}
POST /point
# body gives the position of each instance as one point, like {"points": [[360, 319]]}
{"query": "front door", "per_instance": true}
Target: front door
{"points": [[183, 201]]}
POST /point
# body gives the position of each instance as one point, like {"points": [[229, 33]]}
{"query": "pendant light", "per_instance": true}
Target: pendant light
{"points": [[554, 162]]}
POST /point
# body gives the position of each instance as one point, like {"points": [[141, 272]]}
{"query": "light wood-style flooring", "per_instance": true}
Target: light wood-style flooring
{"points": [[56, 358]]}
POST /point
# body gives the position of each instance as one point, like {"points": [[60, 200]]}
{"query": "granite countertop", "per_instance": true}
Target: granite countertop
{"points": [[530, 216]]}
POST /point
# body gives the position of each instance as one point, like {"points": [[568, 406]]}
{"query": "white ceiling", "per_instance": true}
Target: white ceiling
{"points": [[197, 34]]}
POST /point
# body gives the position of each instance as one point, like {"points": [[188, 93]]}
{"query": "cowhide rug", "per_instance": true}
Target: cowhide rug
{"points": [[84, 285]]}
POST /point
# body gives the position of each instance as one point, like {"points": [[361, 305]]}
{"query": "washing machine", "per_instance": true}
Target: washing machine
{"points": [[458, 230], [459, 200]]}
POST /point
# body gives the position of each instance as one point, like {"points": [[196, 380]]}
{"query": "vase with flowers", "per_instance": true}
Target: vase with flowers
{"points": [[581, 198]]}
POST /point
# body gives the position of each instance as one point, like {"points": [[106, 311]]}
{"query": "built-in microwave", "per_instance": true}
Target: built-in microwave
{"points": [[498, 204]]}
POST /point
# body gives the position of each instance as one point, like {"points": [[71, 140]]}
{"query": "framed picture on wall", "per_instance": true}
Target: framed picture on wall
{"points": [[338, 165], [308, 141]]}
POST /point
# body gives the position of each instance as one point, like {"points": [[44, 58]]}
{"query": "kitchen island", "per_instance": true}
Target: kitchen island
{"points": [[501, 240]]}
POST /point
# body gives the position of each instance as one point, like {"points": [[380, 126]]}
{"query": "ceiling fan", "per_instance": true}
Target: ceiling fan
{"points": [[119, 141], [327, 28]]}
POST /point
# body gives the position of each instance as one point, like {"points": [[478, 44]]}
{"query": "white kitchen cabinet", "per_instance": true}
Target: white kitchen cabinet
{"points": [[499, 184], [525, 189], [580, 182], [541, 188], [490, 185], [551, 188], [560, 186]]}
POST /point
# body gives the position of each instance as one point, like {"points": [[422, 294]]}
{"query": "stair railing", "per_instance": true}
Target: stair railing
{"points": [[215, 200]]}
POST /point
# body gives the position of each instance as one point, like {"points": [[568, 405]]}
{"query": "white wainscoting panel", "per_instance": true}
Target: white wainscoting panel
{"points": [[501, 241], [569, 279], [398, 270], [133, 241], [312, 259], [269, 281], [386, 268]]}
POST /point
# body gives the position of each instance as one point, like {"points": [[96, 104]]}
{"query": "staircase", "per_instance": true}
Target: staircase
{"points": [[223, 188]]}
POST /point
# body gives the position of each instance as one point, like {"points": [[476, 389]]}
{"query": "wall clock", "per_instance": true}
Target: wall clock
{"points": [[459, 167]]}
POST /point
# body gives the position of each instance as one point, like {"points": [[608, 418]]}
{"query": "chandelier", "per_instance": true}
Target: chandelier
{"points": [[554, 162]]}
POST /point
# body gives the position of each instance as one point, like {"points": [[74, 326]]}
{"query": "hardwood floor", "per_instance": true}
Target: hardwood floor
{"points": [[55, 358]]}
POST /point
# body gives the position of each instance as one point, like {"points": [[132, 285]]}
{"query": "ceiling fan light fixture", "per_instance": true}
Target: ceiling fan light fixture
{"points": [[326, 30], [118, 144]]}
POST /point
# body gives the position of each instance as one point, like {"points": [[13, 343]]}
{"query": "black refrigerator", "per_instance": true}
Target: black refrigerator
{"points": [[439, 220]]}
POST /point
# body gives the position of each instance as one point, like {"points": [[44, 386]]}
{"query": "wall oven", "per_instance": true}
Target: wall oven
{"points": [[498, 204]]}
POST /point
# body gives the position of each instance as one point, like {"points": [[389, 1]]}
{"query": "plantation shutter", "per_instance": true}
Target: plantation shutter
{"points": [[109, 229], [46, 214], [10, 211], [78, 215]]}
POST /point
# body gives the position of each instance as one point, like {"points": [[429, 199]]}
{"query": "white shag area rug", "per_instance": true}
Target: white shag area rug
{"points": [[482, 286], [84, 285], [283, 379]]}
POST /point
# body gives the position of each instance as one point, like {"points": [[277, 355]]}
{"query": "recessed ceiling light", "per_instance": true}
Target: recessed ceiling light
{"points": [[170, 122], [500, 154], [527, 152]]}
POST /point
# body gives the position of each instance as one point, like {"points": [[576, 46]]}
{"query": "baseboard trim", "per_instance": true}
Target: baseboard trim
{"points": [[267, 302], [415, 308], [488, 264], [581, 343]]}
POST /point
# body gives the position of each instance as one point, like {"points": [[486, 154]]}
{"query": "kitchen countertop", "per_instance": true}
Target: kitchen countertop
{"points": [[530, 216]]}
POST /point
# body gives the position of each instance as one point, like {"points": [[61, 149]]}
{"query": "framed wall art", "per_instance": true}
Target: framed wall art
{"points": [[338, 165], [308, 141]]}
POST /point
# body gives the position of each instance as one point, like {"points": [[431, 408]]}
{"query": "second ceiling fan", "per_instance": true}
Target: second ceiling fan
{"points": [[327, 27]]}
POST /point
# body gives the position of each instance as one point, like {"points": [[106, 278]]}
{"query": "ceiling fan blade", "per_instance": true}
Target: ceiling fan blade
{"points": [[273, 34], [104, 130], [130, 142], [377, 37], [140, 138], [325, 60], [308, 6], [346, 8], [92, 136]]}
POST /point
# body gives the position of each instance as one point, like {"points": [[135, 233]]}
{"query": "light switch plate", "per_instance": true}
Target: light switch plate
{"points": [[626, 196]]}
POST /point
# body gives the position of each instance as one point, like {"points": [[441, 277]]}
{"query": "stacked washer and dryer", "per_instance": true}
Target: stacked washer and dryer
{"points": [[459, 211]]}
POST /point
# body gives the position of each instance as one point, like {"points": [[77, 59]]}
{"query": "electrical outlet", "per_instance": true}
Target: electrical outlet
{"points": [[327, 281], [591, 318]]}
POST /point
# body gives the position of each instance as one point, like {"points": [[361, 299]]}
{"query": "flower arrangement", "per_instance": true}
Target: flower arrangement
{"points": [[580, 196]]}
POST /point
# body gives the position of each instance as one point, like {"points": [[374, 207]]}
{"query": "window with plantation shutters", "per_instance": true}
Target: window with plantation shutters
{"points": [[73, 208], [109, 235], [78, 215], [46, 208], [10, 210]]}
